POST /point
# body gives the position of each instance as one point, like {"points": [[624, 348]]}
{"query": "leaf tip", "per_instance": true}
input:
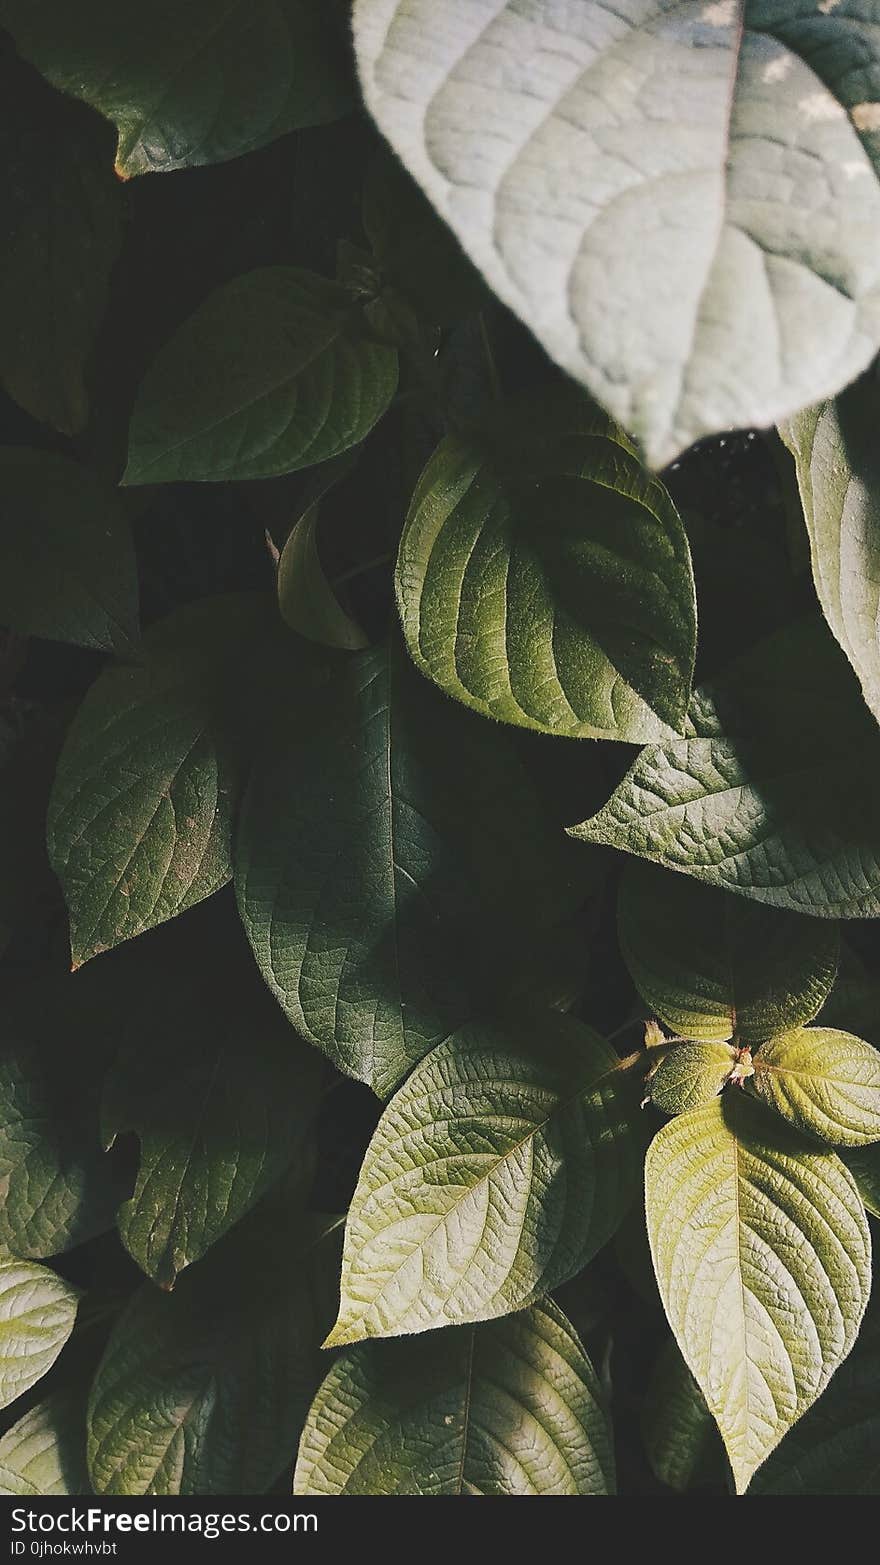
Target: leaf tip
{"points": [[341, 1336]]}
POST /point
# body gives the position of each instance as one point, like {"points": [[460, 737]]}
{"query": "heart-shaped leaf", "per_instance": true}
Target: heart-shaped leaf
{"points": [[45, 1452], [204, 1390], [274, 372], [522, 1131], [392, 858], [824, 1081], [838, 470], [67, 566], [681, 201], [711, 965], [763, 1259], [773, 797], [37, 1312], [140, 816], [510, 1407], [544, 578], [188, 84]]}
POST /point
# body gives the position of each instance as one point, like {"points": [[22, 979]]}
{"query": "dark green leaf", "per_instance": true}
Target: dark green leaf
{"points": [[187, 84], [141, 813], [678, 1430], [67, 567], [864, 1165], [544, 578], [274, 372], [512, 1407], [204, 1390], [392, 859], [219, 1090], [711, 965], [773, 797], [683, 208], [503, 1163], [306, 599], [59, 1035]]}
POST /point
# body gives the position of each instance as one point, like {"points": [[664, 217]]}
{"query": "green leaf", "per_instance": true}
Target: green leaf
{"points": [[504, 1162], [773, 796], [864, 1165], [37, 1312], [273, 373], [219, 1090], [678, 1430], [544, 578], [392, 859], [63, 212], [834, 1449], [306, 599], [763, 1259], [67, 566], [824, 1081], [690, 1075], [140, 816], [45, 1452], [59, 1035], [838, 471], [512, 1407], [204, 1390], [187, 84], [711, 965], [684, 209]]}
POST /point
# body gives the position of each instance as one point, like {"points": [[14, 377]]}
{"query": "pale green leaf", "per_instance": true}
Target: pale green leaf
{"points": [[63, 228], [824, 1081], [67, 566], [511, 1407], [140, 817], [711, 965], [273, 373], [544, 578], [37, 1312], [679, 199], [503, 1163], [763, 1259], [204, 1390], [838, 470], [45, 1452], [689, 1075], [773, 794], [393, 859], [187, 84]]}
